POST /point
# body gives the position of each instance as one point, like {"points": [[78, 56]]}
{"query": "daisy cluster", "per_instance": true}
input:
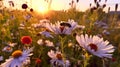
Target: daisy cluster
{"points": [[64, 43]]}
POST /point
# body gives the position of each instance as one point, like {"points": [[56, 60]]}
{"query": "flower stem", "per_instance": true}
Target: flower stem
{"points": [[62, 40], [86, 59], [103, 62]]}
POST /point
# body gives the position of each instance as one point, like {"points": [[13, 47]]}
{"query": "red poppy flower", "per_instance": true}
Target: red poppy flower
{"points": [[37, 61], [113, 59], [26, 40]]}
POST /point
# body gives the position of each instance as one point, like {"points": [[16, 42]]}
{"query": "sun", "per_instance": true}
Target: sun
{"points": [[40, 6], [42, 9]]}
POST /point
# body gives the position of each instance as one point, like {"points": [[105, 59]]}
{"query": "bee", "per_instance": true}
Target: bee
{"points": [[65, 24]]}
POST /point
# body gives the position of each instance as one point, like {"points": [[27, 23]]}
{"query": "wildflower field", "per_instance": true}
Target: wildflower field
{"points": [[66, 38]]}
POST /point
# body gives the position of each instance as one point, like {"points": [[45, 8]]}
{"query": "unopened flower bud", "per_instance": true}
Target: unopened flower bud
{"points": [[116, 7]]}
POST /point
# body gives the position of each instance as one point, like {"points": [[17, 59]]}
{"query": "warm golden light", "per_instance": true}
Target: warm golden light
{"points": [[40, 6], [42, 10]]}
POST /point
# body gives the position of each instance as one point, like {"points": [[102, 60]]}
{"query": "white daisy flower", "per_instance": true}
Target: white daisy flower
{"points": [[45, 42], [7, 49], [18, 58], [96, 45], [62, 27], [57, 59]]}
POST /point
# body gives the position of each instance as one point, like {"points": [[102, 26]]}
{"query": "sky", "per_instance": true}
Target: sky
{"points": [[82, 5]]}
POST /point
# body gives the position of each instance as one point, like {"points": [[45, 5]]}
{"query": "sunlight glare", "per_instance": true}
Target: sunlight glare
{"points": [[42, 9], [40, 6]]}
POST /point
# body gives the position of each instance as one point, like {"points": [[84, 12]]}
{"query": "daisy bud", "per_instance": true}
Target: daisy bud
{"points": [[104, 5], [116, 7], [11, 3], [72, 1], [94, 8], [31, 10], [95, 1], [105, 0], [99, 0], [24, 6], [90, 4], [109, 9], [69, 3], [98, 5], [77, 1]]}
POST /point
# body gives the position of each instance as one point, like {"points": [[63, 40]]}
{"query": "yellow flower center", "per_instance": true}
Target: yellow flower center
{"points": [[17, 53], [93, 47], [59, 56]]}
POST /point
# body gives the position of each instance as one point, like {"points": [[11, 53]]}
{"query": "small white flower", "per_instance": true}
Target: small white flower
{"points": [[18, 58], [7, 49], [96, 45], [40, 42], [57, 59], [49, 43], [45, 42], [12, 44]]}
